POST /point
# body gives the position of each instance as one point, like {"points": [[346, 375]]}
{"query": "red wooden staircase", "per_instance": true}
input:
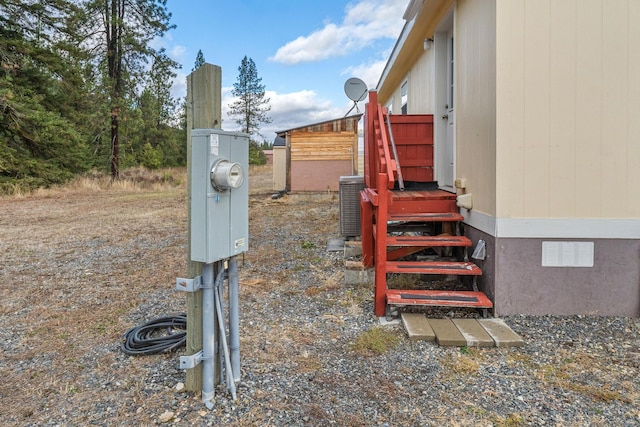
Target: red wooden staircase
{"points": [[403, 215]]}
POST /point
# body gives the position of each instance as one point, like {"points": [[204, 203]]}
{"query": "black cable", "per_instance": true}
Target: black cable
{"points": [[146, 339]]}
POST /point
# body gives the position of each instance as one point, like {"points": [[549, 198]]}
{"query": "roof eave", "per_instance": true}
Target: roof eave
{"points": [[353, 117], [409, 45]]}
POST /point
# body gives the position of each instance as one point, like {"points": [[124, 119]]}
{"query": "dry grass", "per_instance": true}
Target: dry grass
{"points": [[566, 375], [462, 364], [77, 261], [131, 180], [83, 263], [375, 341]]}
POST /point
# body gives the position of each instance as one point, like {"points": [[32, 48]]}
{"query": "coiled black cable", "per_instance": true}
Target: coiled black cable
{"points": [[146, 339]]}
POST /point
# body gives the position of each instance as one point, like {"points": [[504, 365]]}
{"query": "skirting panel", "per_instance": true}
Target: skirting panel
{"points": [[516, 280]]}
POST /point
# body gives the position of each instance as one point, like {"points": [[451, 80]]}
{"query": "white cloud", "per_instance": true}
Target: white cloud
{"points": [[288, 110], [369, 72], [179, 85], [363, 23], [177, 53]]}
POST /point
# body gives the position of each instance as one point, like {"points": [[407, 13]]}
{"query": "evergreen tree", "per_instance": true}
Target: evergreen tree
{"points": [[199, 60], [42, 104], [256, 154], [159, 82], [158, 140], [251, 107]]}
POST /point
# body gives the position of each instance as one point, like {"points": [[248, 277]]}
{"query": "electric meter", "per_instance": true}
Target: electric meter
{"points": [[219, 194], [226, 175]]}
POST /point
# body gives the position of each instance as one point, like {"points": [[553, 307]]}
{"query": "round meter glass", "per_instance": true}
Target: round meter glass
{"points": [[226, 175]]}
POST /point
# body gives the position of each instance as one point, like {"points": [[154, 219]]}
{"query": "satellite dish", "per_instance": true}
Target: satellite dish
{"points": [[355, 89]]}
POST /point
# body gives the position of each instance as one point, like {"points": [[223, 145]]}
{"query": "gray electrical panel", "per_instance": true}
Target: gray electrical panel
{"points": [[219, 194]]}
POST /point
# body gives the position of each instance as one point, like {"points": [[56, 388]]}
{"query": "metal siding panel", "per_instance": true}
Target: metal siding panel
{"points": [[615, 139], [589, 108], [562, 109], [633, 109]]}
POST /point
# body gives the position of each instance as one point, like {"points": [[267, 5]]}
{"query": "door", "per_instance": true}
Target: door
{"points": [[449, 116]]}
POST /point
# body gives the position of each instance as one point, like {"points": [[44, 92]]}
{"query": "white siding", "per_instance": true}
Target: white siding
{"points": [[422, 85]]}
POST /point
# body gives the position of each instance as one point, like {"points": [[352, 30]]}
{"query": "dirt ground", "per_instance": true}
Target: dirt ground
{"points": [[82, 264]]}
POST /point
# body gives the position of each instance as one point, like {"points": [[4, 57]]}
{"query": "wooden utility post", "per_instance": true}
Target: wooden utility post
{"points": [[204, 111]]}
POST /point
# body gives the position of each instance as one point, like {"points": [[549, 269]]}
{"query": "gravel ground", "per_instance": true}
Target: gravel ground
{"points": [[74, 277]]}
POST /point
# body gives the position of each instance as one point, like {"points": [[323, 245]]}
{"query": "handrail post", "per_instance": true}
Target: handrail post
{"points": [[380, 298]]}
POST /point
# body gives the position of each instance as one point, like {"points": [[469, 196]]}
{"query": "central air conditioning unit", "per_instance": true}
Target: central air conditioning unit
{"points": [[350, 187]]}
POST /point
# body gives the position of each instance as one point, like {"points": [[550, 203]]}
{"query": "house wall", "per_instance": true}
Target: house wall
{"points": [[515, 280], [393, 101], [568, 103], [475, 100], [475, 47], [547, 103], [422, 85]]}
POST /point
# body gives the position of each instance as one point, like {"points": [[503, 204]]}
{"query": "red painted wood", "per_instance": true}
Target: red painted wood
{"points": [[414, 206], [370, 149], [413, 136], [372, 196], [396, 254], [427, 217], [438, 298], [429, 241], [433, 267], [366, 230], [380, 304], [417, 201], [424, 195]]}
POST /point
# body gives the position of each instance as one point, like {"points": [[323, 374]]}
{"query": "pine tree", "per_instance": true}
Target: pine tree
{"points": [[158, 142], [199, 60], [42, 105], [126, 29], [251, 107], [159, 83]]}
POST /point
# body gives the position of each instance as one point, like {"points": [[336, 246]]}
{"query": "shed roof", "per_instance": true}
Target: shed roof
{"points": [[340, 124]]}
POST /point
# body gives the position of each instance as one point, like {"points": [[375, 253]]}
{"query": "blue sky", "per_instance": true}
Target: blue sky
{"points": [[304, 50]]}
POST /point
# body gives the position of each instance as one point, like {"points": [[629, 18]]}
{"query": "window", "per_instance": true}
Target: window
{"points": [[404, 97]]}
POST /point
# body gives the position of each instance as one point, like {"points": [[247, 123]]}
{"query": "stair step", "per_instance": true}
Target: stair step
{"points": [[502, 334], [427, 217], [474, 333], [434, 267], [428, 241], [438, 298], [422, 195]]}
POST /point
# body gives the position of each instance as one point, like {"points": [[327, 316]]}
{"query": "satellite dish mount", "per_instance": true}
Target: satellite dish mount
{"points": [[356, 90]]}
